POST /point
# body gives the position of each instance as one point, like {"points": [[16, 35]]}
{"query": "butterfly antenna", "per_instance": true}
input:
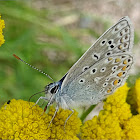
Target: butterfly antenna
{"points": [[35, 94], [32, 67]]}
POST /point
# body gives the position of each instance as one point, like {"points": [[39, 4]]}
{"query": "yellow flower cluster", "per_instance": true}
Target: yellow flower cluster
{"points": [[107, 124], [132, 128], [20, 120], [116, 120], [2, 25], [72, 127]]}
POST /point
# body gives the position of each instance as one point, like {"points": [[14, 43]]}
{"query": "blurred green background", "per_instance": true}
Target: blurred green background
{"points": [[52, 35]]}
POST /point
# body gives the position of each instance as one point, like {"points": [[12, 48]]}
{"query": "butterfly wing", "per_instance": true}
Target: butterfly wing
{"points": [[99, 80], [116, 41]]}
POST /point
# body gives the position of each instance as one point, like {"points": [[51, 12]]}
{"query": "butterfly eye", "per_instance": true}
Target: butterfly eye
{"points": [[54, 89]]}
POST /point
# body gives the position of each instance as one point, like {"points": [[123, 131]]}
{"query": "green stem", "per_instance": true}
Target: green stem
{"points": [[84, 115]]}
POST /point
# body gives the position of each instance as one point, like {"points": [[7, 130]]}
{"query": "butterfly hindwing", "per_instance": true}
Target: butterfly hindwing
{"points": [[99, 80]]}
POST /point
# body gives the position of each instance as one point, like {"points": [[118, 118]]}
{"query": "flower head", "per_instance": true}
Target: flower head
{"points": [[72, 127], [20, 120], [117, 106], [2, 25], [132, 128]]}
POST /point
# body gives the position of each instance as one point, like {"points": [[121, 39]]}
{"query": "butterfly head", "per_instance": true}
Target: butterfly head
{"points": [[52, 88]]}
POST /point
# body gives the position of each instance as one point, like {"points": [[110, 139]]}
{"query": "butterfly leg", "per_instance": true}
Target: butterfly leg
{"points": [[39, 99], [68, 117], [56, 110], [50, 101]]}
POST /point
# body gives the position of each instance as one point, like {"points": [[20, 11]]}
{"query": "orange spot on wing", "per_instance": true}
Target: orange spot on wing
{"points": [[109, 90], [120, 74], [125, 62], [120, 47], [117, 60], [115, 82], [110, 58], [124, 68]]}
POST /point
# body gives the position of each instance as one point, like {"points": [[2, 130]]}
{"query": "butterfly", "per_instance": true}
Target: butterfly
{"points": [[98, 73]]}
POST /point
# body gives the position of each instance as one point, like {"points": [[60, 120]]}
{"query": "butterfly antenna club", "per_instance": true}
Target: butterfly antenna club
{"points": [[32, 66]]}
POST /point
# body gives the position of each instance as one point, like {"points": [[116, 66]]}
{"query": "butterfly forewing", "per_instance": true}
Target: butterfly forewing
{"points": [[117, 39], [93, 73]]}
